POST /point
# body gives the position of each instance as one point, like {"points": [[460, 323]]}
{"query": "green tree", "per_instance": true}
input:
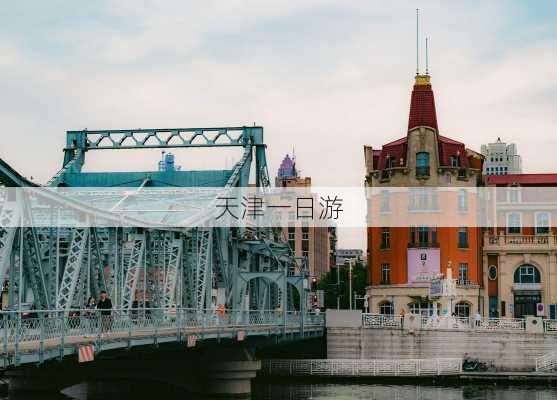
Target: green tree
{"points": [[331, 287]]}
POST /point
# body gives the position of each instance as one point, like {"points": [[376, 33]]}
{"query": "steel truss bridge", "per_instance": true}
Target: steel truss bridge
{"points": [[165, 277]]}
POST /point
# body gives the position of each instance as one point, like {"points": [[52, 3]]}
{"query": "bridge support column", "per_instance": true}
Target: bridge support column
{"points": [[231, 377]]}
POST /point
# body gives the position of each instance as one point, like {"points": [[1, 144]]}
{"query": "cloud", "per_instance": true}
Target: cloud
{"points": [[324, 77]]}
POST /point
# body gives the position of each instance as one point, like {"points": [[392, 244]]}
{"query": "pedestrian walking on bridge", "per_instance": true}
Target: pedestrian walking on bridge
{"points": [[90, 315], [105, 305]]}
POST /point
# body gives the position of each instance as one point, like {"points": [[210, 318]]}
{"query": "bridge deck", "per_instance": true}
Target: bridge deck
{"points": [[37, 340]]}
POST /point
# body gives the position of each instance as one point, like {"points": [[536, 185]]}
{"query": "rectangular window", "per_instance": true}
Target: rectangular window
{"points": [[385, 201], [385, 274], [514, 195], [292, 237], [493, 307], [434, 236], [434, 198], [423, 236], [385, 238], [463, 274], [412, 239], [463, 237], [462, 200], [305, 231], [514, 223], [422, 164], [412, 199], [422, 198]]}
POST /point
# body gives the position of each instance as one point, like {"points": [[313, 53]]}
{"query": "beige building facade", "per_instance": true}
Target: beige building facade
{"points": [[520, 250]]}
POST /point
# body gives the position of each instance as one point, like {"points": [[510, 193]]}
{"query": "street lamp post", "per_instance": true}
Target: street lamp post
{"points": [[338, 287], [350, 262]]}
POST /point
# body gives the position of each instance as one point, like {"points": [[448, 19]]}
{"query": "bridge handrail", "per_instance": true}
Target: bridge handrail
{"points": [[18, 327]]}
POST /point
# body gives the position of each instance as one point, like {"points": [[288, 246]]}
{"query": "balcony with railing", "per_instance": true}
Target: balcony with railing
{"points": [[520, 242], [466, 284]]}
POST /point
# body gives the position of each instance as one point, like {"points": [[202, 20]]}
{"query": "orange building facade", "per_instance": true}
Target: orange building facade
{"points": [[420, 177]]}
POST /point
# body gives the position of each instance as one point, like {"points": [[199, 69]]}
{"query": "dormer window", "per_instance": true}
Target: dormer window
{"points": [[390, 162], [454, 161]]}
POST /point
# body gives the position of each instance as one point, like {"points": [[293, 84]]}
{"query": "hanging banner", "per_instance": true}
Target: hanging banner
{"points": [[423, 265]]}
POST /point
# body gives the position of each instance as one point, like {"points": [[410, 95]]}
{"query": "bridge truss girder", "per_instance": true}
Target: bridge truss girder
{"points": [[62, 265]]}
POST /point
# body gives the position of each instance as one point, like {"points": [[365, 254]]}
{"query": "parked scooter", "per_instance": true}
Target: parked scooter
{"points": [[473, 364]]}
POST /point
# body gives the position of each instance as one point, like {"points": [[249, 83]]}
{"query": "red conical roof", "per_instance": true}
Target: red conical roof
{"points": [[422, 104]]}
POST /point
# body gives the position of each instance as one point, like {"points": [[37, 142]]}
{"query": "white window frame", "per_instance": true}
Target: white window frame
{"points": [[423, 198], [385, 201], [385, 267], [512, 190], [536, 225], [519, 222], [386, 304], [462, 304], [462, 200]]}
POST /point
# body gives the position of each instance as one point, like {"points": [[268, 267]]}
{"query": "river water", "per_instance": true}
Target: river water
{"points": [[325, 391]]}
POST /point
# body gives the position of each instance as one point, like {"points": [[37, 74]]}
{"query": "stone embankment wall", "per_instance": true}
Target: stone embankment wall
{"points": [[510, 351]]}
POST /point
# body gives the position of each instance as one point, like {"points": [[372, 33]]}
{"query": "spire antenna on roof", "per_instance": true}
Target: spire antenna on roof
{"points": [[417, 41], [426, 57]]}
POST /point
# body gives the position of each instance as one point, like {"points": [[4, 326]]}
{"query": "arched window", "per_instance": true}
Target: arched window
{"points": [[462, 309], [514, 222], [386, 308], [542, 223], [527, 274], [462, 200]]}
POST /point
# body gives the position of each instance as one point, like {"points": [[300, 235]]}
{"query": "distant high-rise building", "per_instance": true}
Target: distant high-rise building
{"points": [[304, 239], [501, 158]]}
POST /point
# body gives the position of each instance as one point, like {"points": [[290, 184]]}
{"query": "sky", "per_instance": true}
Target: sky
{"points": [[322, 77]]}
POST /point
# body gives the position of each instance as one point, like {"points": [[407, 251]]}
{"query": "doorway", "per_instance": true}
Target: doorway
{"points": [[525, 304]]}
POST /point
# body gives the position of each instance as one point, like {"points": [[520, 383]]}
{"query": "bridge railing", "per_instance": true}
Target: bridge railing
{"points": [[381, 321], [41, 326], [547, 362]]}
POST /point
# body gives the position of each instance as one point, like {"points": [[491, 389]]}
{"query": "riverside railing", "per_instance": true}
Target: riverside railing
{"points": [[547, 362], [38, 331], [414, 321], [363, 367]]}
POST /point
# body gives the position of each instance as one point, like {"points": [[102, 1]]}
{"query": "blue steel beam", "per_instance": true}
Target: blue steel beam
{"points": [[78, 142]]}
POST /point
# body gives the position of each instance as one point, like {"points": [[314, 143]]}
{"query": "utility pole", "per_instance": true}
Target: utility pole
{"points": [[338, 286]]}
